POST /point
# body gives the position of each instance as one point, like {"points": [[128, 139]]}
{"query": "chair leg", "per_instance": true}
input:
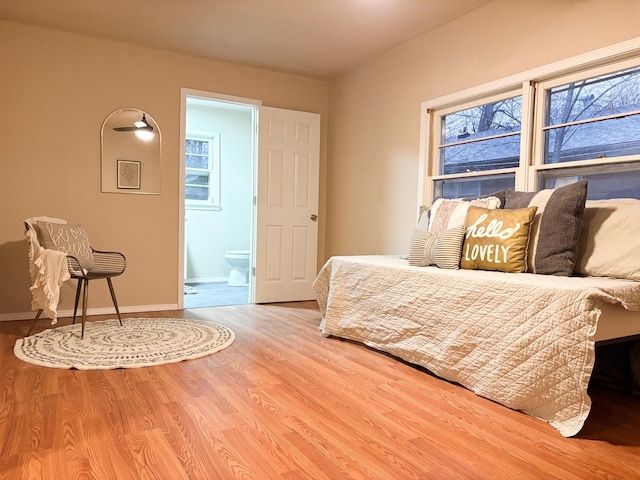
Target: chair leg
{"points": [[75, 306], [84, 304], [113, 297], [33, 324]]}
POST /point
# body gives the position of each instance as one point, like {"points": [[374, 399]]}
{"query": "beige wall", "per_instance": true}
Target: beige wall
{"points": [[374, 125], [57, 89]]}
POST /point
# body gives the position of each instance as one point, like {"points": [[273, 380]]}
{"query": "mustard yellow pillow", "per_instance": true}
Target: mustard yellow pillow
{"points": [[497, 239]]}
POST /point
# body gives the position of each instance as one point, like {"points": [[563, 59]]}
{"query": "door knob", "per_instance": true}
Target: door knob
{"points": [[314, 217]]}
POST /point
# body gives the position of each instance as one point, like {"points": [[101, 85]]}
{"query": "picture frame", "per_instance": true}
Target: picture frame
{"points": [[129, 174]]}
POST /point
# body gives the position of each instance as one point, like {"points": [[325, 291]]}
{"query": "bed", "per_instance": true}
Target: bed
{"points": [[523, 340]]}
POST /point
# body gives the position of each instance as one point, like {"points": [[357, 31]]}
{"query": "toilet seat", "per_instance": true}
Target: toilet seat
{"points": [[237, 253]]}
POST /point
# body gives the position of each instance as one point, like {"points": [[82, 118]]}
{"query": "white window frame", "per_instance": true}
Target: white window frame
{"points": [[526, 83], [214, 201]]}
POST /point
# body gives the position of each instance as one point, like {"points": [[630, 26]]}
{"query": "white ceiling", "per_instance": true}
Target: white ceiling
{"points": [[317, 38]]}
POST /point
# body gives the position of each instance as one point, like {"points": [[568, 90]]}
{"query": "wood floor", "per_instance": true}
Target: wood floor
{"points": [[285, 403]]}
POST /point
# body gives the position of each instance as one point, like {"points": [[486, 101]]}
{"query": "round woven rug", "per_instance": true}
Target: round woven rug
{"points": [[139, 342]]}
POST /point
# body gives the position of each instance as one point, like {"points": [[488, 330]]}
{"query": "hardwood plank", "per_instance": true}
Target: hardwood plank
{"points": [[285, 402], [153, 457]]}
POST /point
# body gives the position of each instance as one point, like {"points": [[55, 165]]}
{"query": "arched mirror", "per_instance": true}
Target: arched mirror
{"points": [[131, 145]]}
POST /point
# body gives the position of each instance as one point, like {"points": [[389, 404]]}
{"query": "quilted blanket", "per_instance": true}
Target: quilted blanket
{"points": [[523, 340]]}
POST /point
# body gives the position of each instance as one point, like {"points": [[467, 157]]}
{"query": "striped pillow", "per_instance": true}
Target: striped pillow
{"points": [[555, 231], [442, 250]]}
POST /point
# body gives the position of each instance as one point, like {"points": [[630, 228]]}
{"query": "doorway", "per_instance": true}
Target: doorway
{"points": [[218, 165], [283, 182]]}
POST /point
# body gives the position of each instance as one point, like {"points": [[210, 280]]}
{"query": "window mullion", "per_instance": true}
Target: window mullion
{"points": [[527, 136], [537, 147]]}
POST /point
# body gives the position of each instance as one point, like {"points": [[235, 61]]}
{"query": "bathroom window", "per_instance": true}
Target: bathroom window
{"points": [[202, 170]]}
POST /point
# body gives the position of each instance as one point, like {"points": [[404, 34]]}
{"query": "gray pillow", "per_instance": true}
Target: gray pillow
{"points": [[554, 237]]}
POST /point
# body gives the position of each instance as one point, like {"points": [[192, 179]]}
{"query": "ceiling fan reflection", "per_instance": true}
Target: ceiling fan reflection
{"points": [[140, 125]]}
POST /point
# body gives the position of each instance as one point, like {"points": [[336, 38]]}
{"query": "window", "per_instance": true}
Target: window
{"points": [[479, 147], [473, 186], [539, 130], [593, 118], [485, 137], [591, 130], [605, 181], [202, 170]]}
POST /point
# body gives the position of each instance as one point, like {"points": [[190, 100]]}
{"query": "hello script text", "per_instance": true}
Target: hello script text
{"points": [[496, 252]]}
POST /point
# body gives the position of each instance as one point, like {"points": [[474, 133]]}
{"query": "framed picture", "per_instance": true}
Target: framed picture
{"points": [[129, 174]]}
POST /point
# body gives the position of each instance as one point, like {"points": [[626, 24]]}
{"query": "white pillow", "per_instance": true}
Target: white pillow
{"points": [[610, 239]]}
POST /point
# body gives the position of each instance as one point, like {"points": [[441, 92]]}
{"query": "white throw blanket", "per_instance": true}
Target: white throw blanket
{"points": [[523, 340], [48, 270]]}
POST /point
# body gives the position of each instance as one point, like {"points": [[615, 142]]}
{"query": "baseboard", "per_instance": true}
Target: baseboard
{"points": [[8, 317], [206, 280]]}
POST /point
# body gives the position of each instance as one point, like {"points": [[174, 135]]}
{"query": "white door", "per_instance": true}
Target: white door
{"points": [[287, 205]]}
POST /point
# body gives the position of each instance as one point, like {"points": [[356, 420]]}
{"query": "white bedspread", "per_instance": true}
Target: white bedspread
{"points": [[523, 340]]}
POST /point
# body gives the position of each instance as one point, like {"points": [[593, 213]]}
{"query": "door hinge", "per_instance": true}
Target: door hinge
{"points": [[253, 271]]}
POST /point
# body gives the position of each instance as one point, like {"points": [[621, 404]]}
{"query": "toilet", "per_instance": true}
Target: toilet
{"points": [[239, 261]]}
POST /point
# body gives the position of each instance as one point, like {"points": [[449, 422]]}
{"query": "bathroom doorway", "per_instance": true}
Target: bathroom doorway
{"points": [[219, 164]]}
